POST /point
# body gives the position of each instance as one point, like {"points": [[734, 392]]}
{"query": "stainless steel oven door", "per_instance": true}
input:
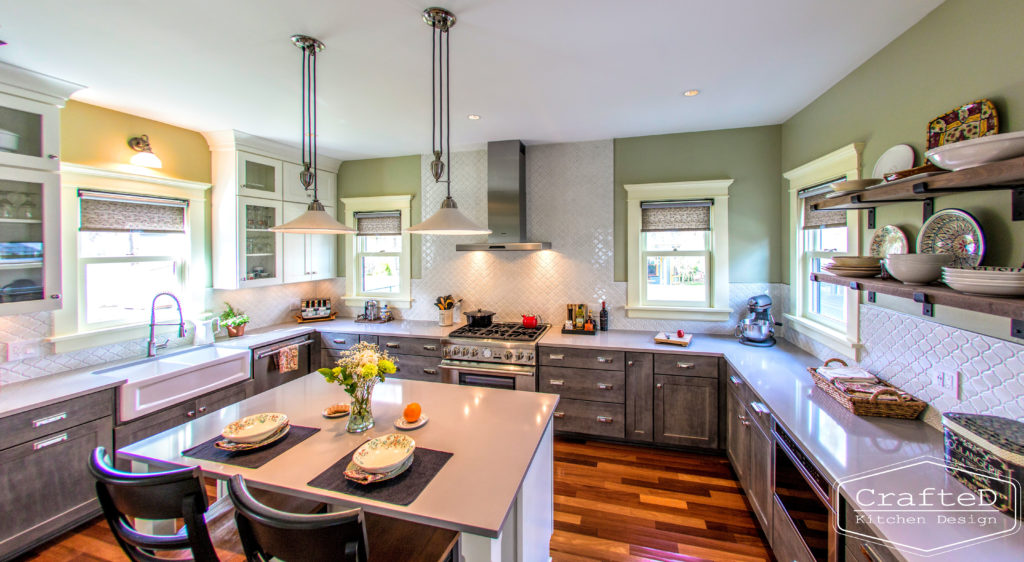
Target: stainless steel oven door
{"points": [[490, 375]]}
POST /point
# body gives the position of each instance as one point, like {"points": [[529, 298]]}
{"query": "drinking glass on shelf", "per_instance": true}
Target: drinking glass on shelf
{"points": [[27, 210], [6, 208]]}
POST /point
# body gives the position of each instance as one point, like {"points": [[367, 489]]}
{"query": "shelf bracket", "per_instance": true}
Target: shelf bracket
{"points": [[928, 208], [871, 296], [871, 218], [1018, 202], [1016, 328], [926, 307]]}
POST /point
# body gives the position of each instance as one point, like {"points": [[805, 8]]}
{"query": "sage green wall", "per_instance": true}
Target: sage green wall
{"points": [[749, 156], [383, 176], [962, 51]]}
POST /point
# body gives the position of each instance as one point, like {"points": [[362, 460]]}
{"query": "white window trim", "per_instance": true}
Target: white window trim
{"points": [[718, 192], [845, 161], [355, 205], [67, 335]]}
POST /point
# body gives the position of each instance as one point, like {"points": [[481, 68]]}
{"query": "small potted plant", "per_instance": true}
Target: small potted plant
{"points": [[234, 320], [358, 370]]}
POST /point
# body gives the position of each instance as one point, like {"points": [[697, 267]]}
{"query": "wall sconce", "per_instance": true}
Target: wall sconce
{"points": [[145, 156]]}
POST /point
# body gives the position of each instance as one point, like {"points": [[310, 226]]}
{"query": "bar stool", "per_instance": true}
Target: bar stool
{"points": [[348, 536]]}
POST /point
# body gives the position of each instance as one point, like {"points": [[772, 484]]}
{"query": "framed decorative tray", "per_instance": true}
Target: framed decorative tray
{"points": [[969, 121], [889, 402]]}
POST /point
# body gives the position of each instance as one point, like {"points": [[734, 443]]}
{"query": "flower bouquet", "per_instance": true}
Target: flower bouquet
{"points": [[358, 370]]}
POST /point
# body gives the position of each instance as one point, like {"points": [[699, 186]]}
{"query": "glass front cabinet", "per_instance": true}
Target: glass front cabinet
{"points": [[259, 248], [29, 134], [29, 241]]}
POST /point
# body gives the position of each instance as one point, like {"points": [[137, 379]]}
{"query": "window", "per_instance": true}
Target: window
{"points": [[379, 253], [678, 250], [129, 249], [378, 258], [823, 312]]}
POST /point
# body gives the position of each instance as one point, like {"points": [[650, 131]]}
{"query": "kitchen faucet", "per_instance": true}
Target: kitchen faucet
{"points": [[153, 346]]}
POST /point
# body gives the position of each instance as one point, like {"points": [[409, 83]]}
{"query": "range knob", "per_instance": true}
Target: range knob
{"points": [[508, 354], [474, 352], [529, 356], [519, 356], [456, 352]]}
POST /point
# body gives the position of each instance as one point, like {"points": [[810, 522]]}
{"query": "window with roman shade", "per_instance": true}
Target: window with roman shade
{"points": [[820, 219], [379, 223], [824, 235], [378, 252], [675, 252], [675, 216], [102, 211]]}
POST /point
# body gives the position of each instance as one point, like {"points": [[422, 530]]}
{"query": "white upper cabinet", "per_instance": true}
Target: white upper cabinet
{"points": [[29, 134], [259, 176], [326, 182], [308, 257]]}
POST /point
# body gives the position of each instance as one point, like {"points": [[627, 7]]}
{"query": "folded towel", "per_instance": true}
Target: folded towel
{"points": [[848, 374], [288, 359]]}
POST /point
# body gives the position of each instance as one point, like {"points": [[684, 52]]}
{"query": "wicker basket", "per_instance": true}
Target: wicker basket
{"points": [[906, 407]]}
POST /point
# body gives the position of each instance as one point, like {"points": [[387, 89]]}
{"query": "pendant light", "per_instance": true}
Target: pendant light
{"points": [[448, 220], [315, 220]]}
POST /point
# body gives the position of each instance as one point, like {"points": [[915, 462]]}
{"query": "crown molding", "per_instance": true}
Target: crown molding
{"points": [[32, 85]]}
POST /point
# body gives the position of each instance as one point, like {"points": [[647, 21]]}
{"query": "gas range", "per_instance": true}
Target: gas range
{"points": [[508, 343]]}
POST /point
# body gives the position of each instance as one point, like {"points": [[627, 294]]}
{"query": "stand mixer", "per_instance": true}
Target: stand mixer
{"points": [[758, 328]]}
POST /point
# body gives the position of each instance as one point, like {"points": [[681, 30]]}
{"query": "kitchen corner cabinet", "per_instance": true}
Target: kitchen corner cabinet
{"points": [[686, 410], [45, 487], [308, 257], [29, 241], [749, 447]]}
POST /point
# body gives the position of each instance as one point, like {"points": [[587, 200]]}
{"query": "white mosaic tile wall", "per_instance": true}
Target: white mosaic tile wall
{"points": [[570, 201], [907, 351]]}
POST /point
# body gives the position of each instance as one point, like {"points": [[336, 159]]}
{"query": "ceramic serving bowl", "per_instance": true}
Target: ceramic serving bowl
{"points": [[916, 271], [855, 185], [385, 453], [975, 152], [856, 261], [254, 428]]}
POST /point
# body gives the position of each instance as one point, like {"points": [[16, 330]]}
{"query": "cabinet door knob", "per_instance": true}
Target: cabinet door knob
{"points": [[55, 296], [605, 386], [630, 363], [52, 156], [605, 419], [559, 415], [683, 365], [658, 386]]}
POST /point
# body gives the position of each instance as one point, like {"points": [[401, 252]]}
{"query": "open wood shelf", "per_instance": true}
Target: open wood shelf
{"points": [[1007, 174], [929, 295]]}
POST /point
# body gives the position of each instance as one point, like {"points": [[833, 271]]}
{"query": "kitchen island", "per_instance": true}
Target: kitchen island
{"points": [[496, 489]]}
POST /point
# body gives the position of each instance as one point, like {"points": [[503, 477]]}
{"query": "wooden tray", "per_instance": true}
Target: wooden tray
{"points": [[906, 407], [580, 332], [308, 320], [664, 337]]}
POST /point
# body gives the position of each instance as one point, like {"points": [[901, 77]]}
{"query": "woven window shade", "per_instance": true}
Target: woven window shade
{"points": [[820, 219], [662, 216], [383, 223], [117, 212]]}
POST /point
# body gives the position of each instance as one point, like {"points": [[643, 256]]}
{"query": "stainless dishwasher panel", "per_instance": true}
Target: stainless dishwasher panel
{"points": [[266, 372]]}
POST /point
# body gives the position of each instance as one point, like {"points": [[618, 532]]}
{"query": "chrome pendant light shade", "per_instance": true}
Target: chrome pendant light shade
{"points": [[315, 220], [448, 220]]}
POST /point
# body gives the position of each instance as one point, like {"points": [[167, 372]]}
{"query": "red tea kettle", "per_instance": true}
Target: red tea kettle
{"points": [[530, 321]]}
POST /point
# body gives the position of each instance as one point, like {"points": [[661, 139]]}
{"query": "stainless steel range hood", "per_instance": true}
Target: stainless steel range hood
{"points": [[506, 201]]}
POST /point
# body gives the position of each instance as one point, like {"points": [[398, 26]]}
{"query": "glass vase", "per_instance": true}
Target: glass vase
{"points": [[360, 417]]}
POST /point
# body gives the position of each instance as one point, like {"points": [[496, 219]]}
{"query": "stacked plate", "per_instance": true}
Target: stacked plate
{"points": [[253, 432], [992, 281], [854, 266]]}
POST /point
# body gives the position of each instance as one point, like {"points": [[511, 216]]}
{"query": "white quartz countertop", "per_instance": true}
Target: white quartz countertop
{"points": [[277, 332], [43, 391], [492, 434]]}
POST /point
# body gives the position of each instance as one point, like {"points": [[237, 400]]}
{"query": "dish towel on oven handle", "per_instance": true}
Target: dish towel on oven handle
{"points": [[288, 359]]}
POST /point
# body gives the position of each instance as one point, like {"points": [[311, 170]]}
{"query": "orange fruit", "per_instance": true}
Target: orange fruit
{"points": [[412, 412]]}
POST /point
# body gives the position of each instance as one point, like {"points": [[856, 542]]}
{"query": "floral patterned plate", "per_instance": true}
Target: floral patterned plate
{"points": [[889, 239], [969, 121], [254, 428], [954, 232], [360, 476], [233, 447], [385, 453]]}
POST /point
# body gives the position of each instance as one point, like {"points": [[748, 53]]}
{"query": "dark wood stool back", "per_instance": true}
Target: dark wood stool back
{"points": [[267, 533], [160, 495]]}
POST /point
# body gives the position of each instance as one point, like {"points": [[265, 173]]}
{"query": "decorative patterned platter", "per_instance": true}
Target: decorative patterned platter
{"points": [[385, 453], [400, 423], [969, 121], [358, 475], [954, 232], [889, 239], [254, 428], [234, 447], [899, 157]]}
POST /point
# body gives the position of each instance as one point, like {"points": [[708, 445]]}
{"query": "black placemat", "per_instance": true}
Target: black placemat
{"points": [[250, 459], [401, 490]]}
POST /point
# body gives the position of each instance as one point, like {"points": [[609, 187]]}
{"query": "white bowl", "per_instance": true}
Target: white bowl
{"points": [[986, 289], [254, 428], [941, 259], [385, 453], [975, 152], [915, 273]]}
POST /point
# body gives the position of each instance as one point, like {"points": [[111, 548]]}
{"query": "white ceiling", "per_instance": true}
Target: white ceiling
{"points": [[539, 70]]}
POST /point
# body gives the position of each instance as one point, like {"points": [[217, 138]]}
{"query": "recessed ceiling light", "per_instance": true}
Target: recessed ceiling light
{"points": [[2, 43], [473, 117], [691, 93]]}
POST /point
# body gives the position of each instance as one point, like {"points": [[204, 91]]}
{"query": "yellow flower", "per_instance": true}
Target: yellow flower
{"points": [[369, 370], [386, 367]]}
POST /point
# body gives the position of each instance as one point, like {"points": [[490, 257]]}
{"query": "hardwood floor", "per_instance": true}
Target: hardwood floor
{"points": [[612, 502]]}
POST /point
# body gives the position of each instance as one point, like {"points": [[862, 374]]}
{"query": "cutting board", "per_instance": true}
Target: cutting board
{"points": [[662, 337]]}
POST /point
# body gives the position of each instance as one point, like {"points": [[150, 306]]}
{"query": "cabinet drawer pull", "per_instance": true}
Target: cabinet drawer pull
{"points": [[430, 371], [341, 341], [430, 348], [54, 418], [190, 413], [745, 422], [605, 386], [556, 382], [605, 359], [202, 409], [605, 419], [759, 408], [559, 415], [52, 156], [51, 441], [659, 386], [556, 356], [735, 380], [392, 345], [683, 365]]}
